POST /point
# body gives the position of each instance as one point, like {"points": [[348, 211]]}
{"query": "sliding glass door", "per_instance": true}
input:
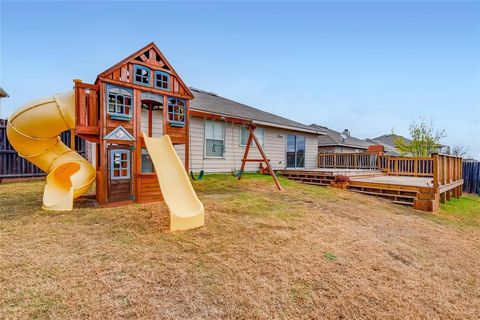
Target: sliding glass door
{"points": [[295, 151]]}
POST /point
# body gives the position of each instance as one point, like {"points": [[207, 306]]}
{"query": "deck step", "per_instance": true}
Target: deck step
{"points": [[404, 203], [316, 183], [353, 185], [373, 193]]}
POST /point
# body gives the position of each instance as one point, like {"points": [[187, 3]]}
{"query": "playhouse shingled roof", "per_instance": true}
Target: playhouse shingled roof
{"points": [[213, 103]]}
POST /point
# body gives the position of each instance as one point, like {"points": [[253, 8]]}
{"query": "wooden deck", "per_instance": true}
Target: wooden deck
{"points": [[421, 183]]}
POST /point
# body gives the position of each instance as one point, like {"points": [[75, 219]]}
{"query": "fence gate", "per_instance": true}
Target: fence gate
{"points": [[13, 166]]}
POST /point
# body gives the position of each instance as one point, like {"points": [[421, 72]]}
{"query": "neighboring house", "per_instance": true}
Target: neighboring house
{"points": [[389, 150], [388, 141], [3, 93], [339, 142], [144, 94]]}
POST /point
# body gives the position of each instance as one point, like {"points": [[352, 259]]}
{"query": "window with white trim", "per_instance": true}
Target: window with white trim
{"points": [[244, 133], [119, 102], [214, 138]]}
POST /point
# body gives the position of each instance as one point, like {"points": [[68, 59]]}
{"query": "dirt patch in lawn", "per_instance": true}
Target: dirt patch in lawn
{"points": [[307, 252]]}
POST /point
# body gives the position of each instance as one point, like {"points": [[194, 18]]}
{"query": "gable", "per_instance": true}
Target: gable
{"points": [[148, 58], [119, 133]]}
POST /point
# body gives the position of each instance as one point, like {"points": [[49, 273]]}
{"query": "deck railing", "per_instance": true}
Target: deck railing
{"points": [[447, 169], [407, 166], [444, 169], [367, 161]]}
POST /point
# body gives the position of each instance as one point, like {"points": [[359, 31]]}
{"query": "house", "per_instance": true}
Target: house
{"points": [[339, 142], [288, 144], [388, 141], [3, 93], [144, 94]]}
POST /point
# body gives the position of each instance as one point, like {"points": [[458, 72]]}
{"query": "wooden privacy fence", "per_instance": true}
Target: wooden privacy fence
{"points": [[471, 177], [13, 166]]}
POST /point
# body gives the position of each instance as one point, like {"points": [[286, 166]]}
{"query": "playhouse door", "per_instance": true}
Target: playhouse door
{"points": [[119, 173]]}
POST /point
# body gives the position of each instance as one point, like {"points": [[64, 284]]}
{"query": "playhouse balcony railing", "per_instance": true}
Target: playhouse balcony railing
{"points": [[86, 108]]}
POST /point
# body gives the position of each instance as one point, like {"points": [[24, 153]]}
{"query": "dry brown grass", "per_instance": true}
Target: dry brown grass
{"points": [[308, 252]]}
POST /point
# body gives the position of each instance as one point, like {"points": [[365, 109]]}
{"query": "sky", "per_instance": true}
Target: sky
{"points": [[367, 66]]}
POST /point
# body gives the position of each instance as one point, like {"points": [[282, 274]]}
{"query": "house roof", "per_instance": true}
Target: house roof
{"points": [[3, 93], [213, 103], [334, 138], [391, 150], [389, 139]]}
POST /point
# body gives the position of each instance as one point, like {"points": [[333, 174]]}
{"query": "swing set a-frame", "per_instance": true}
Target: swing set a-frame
{"points": [[264, 159], [251, 138]]}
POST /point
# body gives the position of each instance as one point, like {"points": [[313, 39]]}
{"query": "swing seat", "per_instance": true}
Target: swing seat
{"points": [[237, 173], [200, 175]]}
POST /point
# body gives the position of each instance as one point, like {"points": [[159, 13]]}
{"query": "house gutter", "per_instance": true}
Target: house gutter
{"points": [[275, 125], [201, 113]]}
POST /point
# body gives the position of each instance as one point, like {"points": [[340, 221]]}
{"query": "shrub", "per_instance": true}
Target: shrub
{"points": [[342, 179]]}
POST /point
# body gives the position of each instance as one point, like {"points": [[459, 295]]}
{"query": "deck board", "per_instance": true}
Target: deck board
{"points": [[397, 180]]}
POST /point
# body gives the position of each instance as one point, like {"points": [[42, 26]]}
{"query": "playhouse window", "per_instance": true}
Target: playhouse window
{"points": [[244, 133], [147, 165], [214, 138], [162, 80], [120, 164], [142, 75], [120, 103], [176, 112]]}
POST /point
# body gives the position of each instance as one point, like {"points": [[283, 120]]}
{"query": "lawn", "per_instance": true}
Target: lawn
{"points": [[307, 252]]}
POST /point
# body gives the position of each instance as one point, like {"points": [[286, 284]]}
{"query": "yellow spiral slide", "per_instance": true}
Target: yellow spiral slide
{"points": [[33, 130]]}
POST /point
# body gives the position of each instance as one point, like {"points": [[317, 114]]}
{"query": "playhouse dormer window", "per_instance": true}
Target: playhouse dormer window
{"points": [[142, 75], [162, 80], [119, 103], [176, 112]]}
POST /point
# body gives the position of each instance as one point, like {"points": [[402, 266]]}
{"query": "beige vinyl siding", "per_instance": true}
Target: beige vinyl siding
{"points": [[311, 151], [274, 147], [180, 149], [157, 120]]}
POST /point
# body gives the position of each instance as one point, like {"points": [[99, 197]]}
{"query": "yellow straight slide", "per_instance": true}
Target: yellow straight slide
{"points": [[33, 131], [186, 210]]}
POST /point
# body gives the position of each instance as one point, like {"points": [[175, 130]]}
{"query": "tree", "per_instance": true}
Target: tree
{"points": [[459, 150], [425, 139]]}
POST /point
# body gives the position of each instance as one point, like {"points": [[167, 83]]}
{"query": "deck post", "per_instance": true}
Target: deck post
{"points": [[435, 170]]}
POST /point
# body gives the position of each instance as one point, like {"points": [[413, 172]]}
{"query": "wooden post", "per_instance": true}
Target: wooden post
{"points": [[251, 128], [435, 170], [72, 139]]}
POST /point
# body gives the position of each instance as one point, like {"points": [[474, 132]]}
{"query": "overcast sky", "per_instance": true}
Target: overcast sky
{"points": [[365, 66]]}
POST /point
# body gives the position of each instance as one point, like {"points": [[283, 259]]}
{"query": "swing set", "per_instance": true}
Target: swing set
{"points": [[251, 138]]}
